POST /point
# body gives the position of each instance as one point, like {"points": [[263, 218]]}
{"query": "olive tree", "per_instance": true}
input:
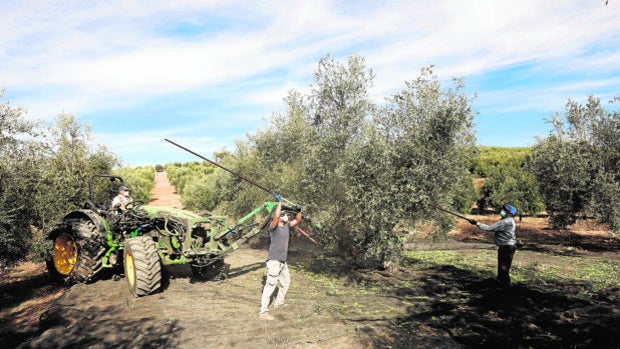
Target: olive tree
{"points": [[512, 182], [577, 166], [20, 159], [429, 133], [361, 169], [68, 165], [44, 172], [606, 184]]}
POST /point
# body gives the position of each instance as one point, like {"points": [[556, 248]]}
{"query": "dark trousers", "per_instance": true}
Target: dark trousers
{"points": [[504, 261]]}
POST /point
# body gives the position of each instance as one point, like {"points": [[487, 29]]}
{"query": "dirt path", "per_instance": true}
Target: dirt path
{"points": [[163, 193]]}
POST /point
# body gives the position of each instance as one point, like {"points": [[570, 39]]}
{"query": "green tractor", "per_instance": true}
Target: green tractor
{"points": [[143, 239]]}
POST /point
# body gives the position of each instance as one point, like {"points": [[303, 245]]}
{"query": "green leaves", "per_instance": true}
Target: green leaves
{"points": [[509, 179], [577, 166], [43, 174], [360, 169]]}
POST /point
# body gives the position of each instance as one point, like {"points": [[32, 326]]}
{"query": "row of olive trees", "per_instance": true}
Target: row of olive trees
{"points": [[508, 180], [362, 169], [573, 172], [43, 173], [578, 165], [196, 183]]}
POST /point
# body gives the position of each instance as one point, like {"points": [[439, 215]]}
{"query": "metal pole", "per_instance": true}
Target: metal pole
{"points": [[242, 177], [222, 167], [449, 212]]}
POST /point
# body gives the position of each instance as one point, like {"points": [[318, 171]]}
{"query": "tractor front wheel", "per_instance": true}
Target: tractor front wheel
{"points": [[142, 266]]}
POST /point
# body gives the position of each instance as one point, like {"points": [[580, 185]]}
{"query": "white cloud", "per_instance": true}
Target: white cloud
{"points": [[82, 57]]}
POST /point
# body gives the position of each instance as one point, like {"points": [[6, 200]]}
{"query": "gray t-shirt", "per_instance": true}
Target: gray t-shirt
{"points": [[504, 231], [278, 248]]}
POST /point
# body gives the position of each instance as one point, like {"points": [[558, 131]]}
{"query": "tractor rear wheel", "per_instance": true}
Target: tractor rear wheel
{"points": [[77, 254], [142, 266]]}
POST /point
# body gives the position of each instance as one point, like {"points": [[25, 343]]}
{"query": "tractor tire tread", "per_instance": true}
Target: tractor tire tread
{"points": [[146, 265]]}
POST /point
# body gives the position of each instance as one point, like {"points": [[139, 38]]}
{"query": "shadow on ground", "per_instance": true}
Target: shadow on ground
{"points": [[17, 322], [68, 324], [448, 302]]}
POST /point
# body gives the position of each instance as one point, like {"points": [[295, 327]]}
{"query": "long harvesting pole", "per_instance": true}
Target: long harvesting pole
{"points": [[449, 212], [245, 179], [222, 167]]}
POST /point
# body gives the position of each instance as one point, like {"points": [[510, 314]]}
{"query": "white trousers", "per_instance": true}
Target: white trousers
{"points": [[276, 271]]}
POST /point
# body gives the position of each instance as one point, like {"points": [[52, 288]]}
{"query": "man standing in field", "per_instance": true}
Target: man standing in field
{"points": [[506, 240], [277, 269]]}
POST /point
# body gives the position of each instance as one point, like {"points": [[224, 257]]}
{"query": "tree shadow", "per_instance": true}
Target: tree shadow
{"points": [[470, 309], [66, 324], [14, 293], [595, 243], [17, 325], [100, 327]]}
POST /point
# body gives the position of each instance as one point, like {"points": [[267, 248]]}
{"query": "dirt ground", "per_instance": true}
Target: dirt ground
{"points": [[423, 305]]}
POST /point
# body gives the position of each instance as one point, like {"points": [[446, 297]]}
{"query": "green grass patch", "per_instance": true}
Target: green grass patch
{"points": [[476, 261], [527, 266]]}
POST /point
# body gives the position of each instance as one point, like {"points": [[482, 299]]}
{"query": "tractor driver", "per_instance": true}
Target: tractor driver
{"points": [[122, 199]]}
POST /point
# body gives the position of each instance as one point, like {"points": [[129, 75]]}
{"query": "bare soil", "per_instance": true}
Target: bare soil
{"points": [[422, 305]]}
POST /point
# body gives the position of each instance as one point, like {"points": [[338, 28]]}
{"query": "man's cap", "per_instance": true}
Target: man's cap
{"points": [[511, 209], [122, 187]]}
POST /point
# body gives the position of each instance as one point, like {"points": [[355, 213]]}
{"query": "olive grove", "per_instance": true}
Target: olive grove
{"points": [[507, 180]]}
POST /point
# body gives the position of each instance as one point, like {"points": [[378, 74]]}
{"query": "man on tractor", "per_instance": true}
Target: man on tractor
{"points": [[122, 199], [277, 269]]}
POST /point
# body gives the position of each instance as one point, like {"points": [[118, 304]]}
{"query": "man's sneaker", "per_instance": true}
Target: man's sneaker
{"points": [[266, 316], [281, 306]]}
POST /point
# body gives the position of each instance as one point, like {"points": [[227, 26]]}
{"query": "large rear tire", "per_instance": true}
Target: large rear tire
{"points": [[142, 266], [76, 253]]}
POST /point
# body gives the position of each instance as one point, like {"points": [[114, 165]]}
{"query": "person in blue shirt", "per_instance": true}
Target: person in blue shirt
{"points": [[506, 240]]}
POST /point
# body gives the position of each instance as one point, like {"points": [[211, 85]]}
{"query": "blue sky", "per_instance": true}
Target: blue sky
{"points": [[207, 73]]}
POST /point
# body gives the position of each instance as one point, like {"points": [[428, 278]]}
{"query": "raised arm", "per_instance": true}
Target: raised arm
{"points": [[297, 219], [276, 214]]}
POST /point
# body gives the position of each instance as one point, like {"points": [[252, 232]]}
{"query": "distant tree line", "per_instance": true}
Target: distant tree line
{"points": [[507, 179]]}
